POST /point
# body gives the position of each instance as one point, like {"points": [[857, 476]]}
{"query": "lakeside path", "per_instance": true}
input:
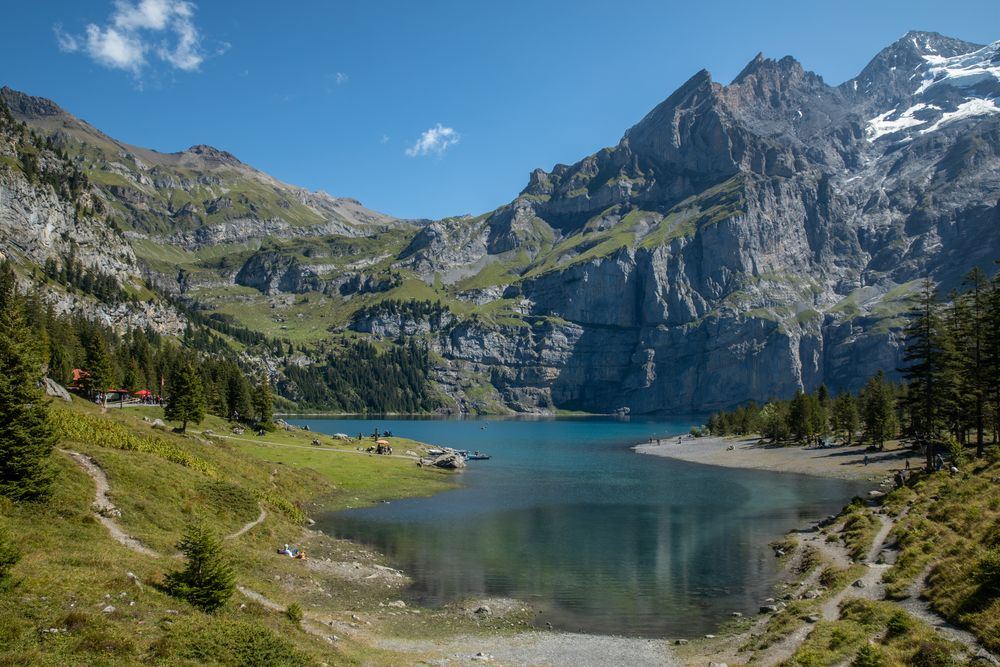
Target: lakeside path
{"points": [[839, 462]]}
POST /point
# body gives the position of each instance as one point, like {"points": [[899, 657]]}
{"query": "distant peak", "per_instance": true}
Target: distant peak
{"points": [[760, 63], [933, 43], [24, 105], [204, 150]]}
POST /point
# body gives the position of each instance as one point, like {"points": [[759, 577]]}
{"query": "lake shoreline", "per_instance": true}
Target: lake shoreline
{"points": [[551, 645], [844, 462]]}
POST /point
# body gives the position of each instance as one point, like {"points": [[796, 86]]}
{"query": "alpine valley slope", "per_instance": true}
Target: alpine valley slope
{"points": [[741, 241]]}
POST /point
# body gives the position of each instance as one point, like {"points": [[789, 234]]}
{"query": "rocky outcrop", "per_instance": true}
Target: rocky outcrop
{"points": [[36, 225], [56, 390], [272, 272]]}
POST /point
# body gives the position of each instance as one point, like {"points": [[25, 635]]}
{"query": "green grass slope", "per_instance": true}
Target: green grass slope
{"points": [[78, 597]]}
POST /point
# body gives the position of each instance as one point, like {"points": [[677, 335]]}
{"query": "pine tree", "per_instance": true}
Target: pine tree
{"points": [[974, 367], [824, 410], [97, 364], [927, 356], [207, 580], [845, 417], [802, 417], [26, 433], [185, 396], [263, 401], [238, 399], [879, 410], [991, 355]]}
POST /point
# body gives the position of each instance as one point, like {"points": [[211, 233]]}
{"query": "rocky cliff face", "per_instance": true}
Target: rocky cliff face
{"points": [[750, 239], [46, 219]]}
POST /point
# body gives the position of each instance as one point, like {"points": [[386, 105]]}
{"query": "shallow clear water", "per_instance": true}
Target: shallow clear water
{"points": [[600, 539]]}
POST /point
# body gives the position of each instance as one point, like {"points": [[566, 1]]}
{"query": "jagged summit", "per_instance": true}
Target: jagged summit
{"points": [[28, 105], [889, 76], [787, 65], [212, 153]]}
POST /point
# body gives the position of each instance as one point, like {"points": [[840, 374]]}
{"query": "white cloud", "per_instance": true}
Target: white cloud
{"points": [[384, 140], [115, 49], [436, 140], [163, 29], [341, 78], [66, 42]]}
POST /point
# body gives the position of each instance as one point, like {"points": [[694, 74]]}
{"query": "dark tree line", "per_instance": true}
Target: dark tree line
{"points": [[409, 309], [953, 366], [359, 378], [806, 418]]}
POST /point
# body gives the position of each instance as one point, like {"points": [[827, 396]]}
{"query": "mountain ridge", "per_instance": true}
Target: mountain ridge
{"points": [[741, 240]]}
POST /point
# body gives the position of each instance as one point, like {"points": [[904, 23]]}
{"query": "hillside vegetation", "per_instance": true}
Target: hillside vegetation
{"points": [[79, 597]]}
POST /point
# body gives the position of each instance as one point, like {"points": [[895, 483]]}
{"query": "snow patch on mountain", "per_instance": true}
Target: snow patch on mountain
{"points": [[884, 124], [964, 71], [969, 109]]}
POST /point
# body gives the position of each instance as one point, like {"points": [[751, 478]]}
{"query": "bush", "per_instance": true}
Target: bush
{"points": [[899, 625], [987, 573], [207, 581], [226, 642], [228, 497], [80, 427], [868, 656], [932, 654], [294, 613]]}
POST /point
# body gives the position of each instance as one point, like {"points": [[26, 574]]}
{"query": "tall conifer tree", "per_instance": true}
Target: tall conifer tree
{"points": [[185, 396], [26, 433]]}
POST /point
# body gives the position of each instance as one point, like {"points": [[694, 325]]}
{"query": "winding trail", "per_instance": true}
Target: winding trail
{"points": [[103, 508], [918, 606], [249, 525], [871, 588]]}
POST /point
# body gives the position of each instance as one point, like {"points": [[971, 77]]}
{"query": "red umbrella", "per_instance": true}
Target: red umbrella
{"points": [[142, 392]]}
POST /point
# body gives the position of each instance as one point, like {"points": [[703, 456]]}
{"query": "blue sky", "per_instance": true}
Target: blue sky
{"points": [[422, 109]]}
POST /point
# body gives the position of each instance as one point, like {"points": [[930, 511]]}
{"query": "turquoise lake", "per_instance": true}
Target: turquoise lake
{"points": [[594, 536]]}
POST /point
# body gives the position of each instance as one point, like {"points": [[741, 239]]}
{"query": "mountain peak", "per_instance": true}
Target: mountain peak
{"points": [[213, 153], [888, 78], [29, 106], [760, 63]]}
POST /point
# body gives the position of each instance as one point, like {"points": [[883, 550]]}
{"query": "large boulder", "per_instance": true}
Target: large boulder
{"points": [[55, 390]]}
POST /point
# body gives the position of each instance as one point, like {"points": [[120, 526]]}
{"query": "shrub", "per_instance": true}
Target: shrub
{"points": [[987, 573], [228, 497], [80, 427], [868, 656], [226, 642], [294, 613], [898, 625], [207, 581], [932, 654]]}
